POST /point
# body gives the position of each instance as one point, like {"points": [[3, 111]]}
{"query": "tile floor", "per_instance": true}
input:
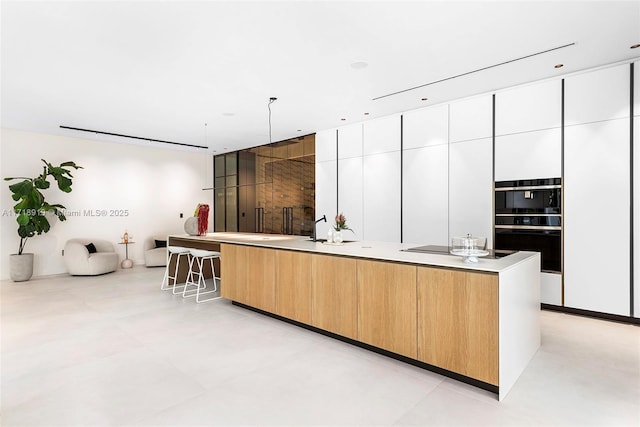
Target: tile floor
{"points": [[115, 350]]}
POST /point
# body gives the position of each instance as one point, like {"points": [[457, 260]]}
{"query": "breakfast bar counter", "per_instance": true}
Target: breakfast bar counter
{"points": [[476, 322]]}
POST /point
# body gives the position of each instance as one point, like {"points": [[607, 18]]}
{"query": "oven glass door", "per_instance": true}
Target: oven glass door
{"points": [[547, 242]]}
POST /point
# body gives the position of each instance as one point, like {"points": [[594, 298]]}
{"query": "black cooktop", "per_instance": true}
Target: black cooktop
{"points": [[444, 250]]}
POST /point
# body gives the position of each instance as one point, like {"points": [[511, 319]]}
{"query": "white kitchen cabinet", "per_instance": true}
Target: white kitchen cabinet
{"points": [[425, 127], [636, 214], [636, 90], [381, 135], [529, 155], [381, 197], [350, 141], [596, 193], [471, 118], [326, 194], [597, 95], [551, 288], [326, 147], [528, 108], [350, 195], [471, 189], [425, 196]]}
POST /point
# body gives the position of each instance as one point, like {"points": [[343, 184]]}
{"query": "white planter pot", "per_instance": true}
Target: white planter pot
{"points": [[20, 267]]}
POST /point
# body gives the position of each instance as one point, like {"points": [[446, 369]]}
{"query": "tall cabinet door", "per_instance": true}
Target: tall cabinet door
{"points": [[381, 179], [597, 190], [528, 135], [636, 189], [470, 189], [350, 185], [596, 258], [326, 191], [425, 160], [471, 167]]}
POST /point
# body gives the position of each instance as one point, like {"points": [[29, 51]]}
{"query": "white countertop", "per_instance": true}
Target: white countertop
{"points": [[363, 249]]}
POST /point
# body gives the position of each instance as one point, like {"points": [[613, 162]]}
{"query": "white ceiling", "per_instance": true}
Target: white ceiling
{"points": [[162, 70]]}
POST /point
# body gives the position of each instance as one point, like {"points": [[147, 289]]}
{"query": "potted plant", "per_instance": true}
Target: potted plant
{"points": [[31, 211], [336, 231]]}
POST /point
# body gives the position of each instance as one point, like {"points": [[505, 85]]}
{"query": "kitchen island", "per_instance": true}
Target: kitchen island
{"points": [[476, 322]]}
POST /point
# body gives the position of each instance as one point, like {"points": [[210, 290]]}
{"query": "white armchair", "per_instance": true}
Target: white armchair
{"points": [[155, 255], [80, 262]]}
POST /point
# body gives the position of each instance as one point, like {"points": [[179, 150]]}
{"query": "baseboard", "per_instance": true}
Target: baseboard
{"points": [[594, 314]]}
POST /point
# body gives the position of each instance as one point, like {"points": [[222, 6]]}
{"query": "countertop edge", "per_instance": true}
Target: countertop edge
{"points": [[383, 251]]}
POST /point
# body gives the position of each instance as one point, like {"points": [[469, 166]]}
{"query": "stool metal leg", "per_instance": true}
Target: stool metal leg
{"points": [[190, 280], [165, 279], [215, 286], [175, 274]]}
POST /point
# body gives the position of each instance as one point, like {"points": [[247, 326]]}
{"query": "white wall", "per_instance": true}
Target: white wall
{"points": [[155, 185]]}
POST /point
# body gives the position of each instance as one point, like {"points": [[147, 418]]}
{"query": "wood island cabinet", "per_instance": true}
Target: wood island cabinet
{"points": [[458, 322], [387, 306], [293, 285], [248, 276], [334, 295]]}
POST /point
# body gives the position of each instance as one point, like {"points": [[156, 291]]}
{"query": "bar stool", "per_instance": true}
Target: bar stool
{"points": [[173, 252], [199, 256]]}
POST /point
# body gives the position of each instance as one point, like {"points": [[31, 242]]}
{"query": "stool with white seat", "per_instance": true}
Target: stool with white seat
{"points": [[198, 257], [177, 252]]}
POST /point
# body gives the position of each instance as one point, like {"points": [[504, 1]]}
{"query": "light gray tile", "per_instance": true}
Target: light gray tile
{"points": [[115, 350]]}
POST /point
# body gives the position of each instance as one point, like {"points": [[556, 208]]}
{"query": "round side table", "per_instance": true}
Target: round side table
{"points": [[126, 262]]}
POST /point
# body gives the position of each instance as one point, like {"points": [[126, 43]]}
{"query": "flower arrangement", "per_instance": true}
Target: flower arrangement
{"points": [[202, 213], [341, 223]]}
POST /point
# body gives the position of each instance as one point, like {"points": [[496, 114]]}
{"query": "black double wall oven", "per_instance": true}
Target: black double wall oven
{"points": [[528, 217]]}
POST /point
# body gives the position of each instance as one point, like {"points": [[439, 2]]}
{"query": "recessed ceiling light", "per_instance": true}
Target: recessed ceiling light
{"points": [[359, 65], [558, 66], [635, 46]]}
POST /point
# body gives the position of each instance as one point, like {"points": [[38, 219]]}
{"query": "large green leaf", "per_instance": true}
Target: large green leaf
{"points": [[28, 230], [22, 219], [41, 183], [64, 183], [22, 188], [41, 224]]}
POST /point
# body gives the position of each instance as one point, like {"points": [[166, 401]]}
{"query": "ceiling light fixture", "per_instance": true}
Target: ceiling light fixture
{"points": [[359, 65], [131, 136], [635, 46], [558, 66], [271, 101]]}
